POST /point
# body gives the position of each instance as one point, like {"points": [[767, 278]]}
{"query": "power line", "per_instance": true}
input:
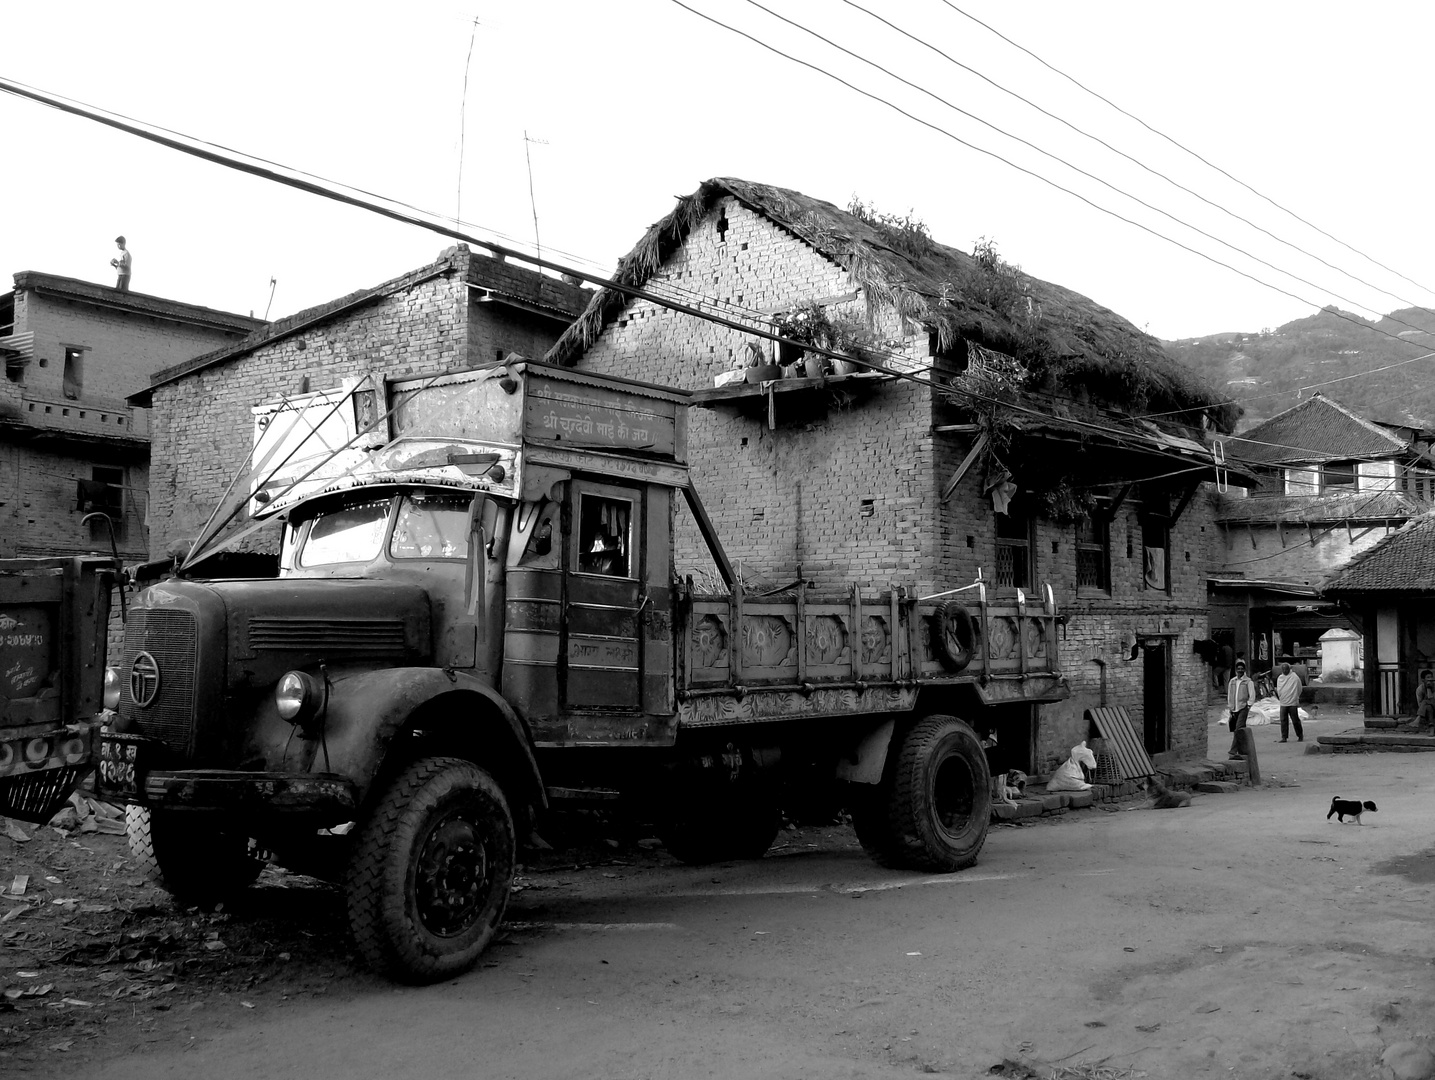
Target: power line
{"points": [[227, 158], [1131, 158], [1185, 149], [1046, 153]]}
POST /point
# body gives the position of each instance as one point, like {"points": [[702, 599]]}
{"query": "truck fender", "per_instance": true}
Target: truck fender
{"points": [[870, 758], [367, 711]]}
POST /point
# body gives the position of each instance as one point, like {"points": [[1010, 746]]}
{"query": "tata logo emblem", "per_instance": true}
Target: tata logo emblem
{"points": [[144, 680]]}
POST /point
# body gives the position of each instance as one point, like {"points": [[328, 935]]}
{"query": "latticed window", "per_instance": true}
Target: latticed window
{"points": [[1093, 555], [1014, 546]]}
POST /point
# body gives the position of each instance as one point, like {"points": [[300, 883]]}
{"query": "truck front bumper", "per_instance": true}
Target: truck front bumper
{"points": [[125, 774]]}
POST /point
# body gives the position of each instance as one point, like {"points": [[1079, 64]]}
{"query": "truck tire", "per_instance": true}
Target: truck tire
{"points": [[188, 858], [708, 826], [430, 872], [933, 806]]}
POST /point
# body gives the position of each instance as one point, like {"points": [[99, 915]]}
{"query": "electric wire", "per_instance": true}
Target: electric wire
{"points": [[84, 109], [136, 127], [1136, 161], [1185, 149], [1057, 158]]}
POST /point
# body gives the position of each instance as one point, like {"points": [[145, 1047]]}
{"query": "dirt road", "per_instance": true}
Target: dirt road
{"points": [[1244, 936]]}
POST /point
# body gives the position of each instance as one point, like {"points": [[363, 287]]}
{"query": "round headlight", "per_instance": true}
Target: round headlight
{"points": [[296, 696], [112, 688]]}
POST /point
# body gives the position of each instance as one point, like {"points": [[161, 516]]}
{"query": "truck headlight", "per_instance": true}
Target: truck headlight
{"points": [[298, 696], [112, 688]]}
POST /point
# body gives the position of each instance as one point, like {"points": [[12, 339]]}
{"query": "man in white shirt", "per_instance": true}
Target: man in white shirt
{"points": [[121, 263], [1288, 694], [1240, 693]]}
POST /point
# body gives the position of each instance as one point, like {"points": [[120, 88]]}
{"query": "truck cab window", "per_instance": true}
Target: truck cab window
{"points": [[603, 540], [351, 534], [431, 527]]}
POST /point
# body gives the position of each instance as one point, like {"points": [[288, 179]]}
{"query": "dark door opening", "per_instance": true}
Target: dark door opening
{"points": [[1156, 696]]}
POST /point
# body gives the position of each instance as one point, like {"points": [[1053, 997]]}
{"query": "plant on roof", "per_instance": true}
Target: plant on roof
{"points": [[906, 233], [853, 337], [806, 324]]}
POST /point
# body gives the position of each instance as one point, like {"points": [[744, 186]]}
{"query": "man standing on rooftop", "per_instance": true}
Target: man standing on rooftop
{"points": [[121, 263]]}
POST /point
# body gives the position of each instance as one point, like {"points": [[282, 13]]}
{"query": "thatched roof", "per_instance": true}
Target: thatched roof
{"points": [[1073, 340]]}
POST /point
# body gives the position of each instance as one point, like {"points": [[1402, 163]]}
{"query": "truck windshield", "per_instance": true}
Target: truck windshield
{"points": [[431, 527], [352, 534]]}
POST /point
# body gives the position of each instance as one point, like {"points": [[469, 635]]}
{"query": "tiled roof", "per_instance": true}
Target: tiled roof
{"points": [[1402, 562], [1318, 429]]}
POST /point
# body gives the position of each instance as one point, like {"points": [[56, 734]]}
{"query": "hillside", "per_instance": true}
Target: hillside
{"points": [[1265, 370]]}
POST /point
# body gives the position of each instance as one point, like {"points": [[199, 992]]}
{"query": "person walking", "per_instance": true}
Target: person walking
{"points": [[1288, 688], [122, 263], [1240, 693]]}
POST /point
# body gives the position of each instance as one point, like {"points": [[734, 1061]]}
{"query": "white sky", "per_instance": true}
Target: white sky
{"points": [[638, 101]]}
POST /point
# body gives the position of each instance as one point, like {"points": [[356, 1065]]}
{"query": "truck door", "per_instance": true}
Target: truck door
{"points": [[605, 598]]}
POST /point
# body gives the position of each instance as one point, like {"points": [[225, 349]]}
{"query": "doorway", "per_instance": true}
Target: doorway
{"points": [[1156, 695]]}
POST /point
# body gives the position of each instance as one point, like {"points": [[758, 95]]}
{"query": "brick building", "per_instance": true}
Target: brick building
{"points": [[73, 351], [993, 390], [461, 310], [1333, 484]]}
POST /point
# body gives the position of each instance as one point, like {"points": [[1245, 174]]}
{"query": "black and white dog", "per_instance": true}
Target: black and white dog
{"points": [[1340, 809]]}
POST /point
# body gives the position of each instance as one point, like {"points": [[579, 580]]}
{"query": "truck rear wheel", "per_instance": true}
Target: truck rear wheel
{"points": [[189, 858], [933, 806], [429, 876]]}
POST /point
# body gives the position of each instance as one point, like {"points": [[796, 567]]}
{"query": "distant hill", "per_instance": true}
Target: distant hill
{"points": [[1272, 365]]}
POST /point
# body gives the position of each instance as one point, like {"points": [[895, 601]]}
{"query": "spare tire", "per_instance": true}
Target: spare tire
{"points": [[956, 636]]}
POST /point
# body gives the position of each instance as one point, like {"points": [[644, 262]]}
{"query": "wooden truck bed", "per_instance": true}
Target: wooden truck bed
{"points": [[800, 653]]}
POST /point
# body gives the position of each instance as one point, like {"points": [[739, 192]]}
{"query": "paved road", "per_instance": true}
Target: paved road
{"points": [[1244, 936]]}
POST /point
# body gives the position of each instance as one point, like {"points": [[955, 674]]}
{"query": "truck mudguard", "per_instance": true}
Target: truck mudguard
{"points": [[366, 710]]}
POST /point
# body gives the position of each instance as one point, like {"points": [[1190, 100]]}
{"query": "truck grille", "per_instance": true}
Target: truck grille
{"points": [[169, 637], [363, 637]]}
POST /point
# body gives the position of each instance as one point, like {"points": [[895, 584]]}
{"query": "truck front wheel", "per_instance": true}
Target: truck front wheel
{"points": [[192, 860], [933, 806], [429, 876]]}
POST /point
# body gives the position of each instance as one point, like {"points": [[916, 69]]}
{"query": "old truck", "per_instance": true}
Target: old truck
{"points": [[476, 614], [54, 616]]}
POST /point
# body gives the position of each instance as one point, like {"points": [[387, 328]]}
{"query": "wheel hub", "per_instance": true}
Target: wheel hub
{"points": [[451, 878], [952, 795]]}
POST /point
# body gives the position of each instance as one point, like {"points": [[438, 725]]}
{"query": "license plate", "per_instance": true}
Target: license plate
{"points": [[120, 758]]}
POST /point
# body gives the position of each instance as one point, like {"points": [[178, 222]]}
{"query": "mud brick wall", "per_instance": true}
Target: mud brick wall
{"points": [[426, 321], [38, 515], [854, 492], [122, 348], [1288, 553], [840, 487], [202, 427]]}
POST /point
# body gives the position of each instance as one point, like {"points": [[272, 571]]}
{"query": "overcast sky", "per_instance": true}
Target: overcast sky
{"points": [[637, 101]]}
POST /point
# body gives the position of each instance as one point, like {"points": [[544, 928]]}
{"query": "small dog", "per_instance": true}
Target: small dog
{"points": [[1167, 799], [1340, 809], [1009, 786]]}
